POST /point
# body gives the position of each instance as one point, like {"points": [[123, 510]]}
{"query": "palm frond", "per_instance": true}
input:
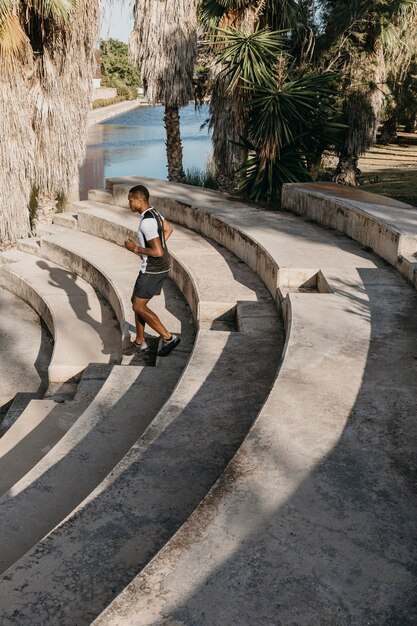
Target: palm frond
{"points": [[57, 10], [248, 56]]}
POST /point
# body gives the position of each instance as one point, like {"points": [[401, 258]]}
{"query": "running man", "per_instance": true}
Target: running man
{"points": [[153, 232]]}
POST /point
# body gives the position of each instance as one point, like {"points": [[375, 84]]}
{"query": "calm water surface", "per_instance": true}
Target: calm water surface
{"points": [[133, 144]]}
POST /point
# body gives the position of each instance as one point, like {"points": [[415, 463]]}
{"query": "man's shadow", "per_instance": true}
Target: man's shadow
{"points": [[107, 329]]}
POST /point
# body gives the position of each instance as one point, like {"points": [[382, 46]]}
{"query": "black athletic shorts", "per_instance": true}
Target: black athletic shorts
{"points": [[148, 285]]}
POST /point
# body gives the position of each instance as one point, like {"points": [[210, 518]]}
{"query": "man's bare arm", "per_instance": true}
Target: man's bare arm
{"points": [[168, 230], [154, 247]]}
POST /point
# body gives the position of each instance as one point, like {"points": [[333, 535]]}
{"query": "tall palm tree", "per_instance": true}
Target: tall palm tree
{"points": [[46, 68], [360, 39], [164, 45], [61, 95]]}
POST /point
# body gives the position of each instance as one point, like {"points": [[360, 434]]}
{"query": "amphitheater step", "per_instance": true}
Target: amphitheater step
{"points": [[25, 351], [68, 220], [154, 488], [316, 513], [207, 274], [81, 324], [186, 447], [70, 471], [39, 427], [100, 195]]}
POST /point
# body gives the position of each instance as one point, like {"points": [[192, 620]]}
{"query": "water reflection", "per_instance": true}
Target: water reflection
{"points": [[133, 144]]}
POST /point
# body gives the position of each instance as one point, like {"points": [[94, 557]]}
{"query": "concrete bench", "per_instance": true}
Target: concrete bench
{"points": [[70, 309], [386, 225]]}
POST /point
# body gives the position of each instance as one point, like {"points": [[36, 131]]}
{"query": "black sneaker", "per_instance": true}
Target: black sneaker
{"points": [[169, 345]]}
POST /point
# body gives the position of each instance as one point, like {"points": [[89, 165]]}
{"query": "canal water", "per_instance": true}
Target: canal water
{"points": [[133, 144]]}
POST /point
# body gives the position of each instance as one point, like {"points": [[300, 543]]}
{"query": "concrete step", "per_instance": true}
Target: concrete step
{"points": [[112, 271], [302, 490], [208, 275], [34, 426], [154, 488], [14, 409], [128, 401], [82, 326], [188, 444], [323, 484], [68, 220], [24, 347], [38, 428], [100, 195]]}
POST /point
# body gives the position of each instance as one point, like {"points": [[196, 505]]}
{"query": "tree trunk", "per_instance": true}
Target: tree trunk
{"points": [[347, 171], [389, 131], [173, 144], [16, 154], [45, 211]]}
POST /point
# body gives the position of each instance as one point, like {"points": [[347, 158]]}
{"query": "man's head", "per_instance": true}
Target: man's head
{"points": [[138, 199]]}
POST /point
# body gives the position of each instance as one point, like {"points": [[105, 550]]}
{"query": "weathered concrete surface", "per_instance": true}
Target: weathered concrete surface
{"points": [[70, 309], [38, 428], [314, 520], [389, 227], [24, 355], [203, 271], [81, 459], [154, 489]]}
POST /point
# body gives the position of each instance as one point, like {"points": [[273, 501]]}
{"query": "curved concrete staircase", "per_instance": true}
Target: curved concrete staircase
{"points": [[251, 493]]}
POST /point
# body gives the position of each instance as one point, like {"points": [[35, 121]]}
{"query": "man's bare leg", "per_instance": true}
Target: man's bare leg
{"points": [[149, 317], [140, 329]]}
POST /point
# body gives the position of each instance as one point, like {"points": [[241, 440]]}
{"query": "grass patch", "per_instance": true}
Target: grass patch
{"points": [[399, 185], [392, 170]]}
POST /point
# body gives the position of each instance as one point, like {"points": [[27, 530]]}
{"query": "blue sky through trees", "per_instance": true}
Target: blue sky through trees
{"points": [[117, 21]]}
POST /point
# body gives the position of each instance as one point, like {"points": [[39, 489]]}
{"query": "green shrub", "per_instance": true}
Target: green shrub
{"points": [[128, 92], [105, 102], [202, 177]]}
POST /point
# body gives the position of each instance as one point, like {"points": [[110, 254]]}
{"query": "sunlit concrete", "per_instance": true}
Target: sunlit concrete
{"points": [[69, 307]]}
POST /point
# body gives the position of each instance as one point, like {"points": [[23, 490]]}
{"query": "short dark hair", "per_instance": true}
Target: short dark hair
{"points": [[140, 190]]}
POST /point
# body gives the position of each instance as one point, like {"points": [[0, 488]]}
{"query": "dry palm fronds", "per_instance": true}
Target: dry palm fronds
{"points": [[17, 137], [163, 44], [45, 99], [12, 36], [61, 96]]}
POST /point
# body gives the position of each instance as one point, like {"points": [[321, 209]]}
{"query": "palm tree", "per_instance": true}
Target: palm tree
{"points": [[289, 113], [359, 40], [228, 113], [61, 96], [163, 44], [46, 68], [17, 144]]}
